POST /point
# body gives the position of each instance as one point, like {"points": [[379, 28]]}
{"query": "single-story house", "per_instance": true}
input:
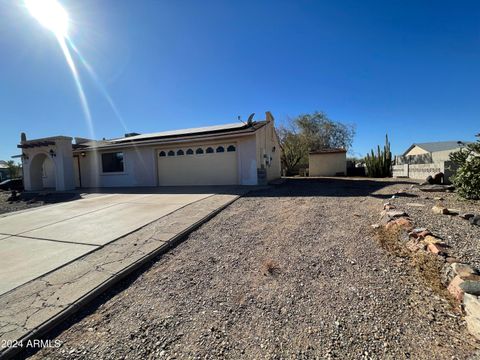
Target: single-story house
{"points": [[431, 151], [232, 154], [327, 162], [421, 160]]}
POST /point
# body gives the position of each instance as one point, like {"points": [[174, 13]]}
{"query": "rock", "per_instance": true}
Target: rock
{"points": [[466, 216], [375, 226], [475, 220], [471, 284], [471, 304], [437, 249], [437, 188], [447, 274], [429, 180], [455, 289], [463, 270], [438, 178], [430, 239], [438, 198], [440, 210], [396, 213], [453, 211]]}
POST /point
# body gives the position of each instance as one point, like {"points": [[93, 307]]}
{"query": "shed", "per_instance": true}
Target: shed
{"points": [[327, 162]]}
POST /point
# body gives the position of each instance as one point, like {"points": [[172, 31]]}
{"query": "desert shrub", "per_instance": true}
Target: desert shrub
{"points": [[467, 176]]}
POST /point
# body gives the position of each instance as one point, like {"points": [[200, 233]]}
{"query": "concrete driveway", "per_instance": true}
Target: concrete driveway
{"points": [[38, 241]]}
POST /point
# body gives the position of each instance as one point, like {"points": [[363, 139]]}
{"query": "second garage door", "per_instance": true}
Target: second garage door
{"points": [[199, 165]]}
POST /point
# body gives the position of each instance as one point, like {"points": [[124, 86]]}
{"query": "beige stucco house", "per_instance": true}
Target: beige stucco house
{"points": [[327, 162], [232, 154], [434, 151]]}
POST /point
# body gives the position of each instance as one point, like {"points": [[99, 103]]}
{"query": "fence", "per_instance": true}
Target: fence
{"points": [[422, 171]]}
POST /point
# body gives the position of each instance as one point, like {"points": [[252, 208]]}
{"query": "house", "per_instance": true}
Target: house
{"points": [[421, 160], [4, 172], [432, 151], [327, 162], [232, 154]]}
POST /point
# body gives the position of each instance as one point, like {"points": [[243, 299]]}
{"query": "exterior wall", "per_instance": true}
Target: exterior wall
{"points": [[438, 156], [416, 150], [140, 169], [327, 164], [141, 164], [60, 175], [422, 171], [268, 152]]}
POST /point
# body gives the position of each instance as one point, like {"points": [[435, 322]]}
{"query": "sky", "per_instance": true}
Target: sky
{"points": [[409, 68]]}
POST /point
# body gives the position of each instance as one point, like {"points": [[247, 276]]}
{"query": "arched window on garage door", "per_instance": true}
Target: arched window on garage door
{"points": [[209, 150], [231, 148], [180, 152], [162, 153], [171, 153], [199, 151], [220, 149], [189, 152]]}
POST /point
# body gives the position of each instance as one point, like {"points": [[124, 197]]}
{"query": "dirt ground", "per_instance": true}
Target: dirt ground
{"points": [[31, 200], [290, 272]]}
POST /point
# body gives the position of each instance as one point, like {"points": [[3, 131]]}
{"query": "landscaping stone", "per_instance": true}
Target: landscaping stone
{"points": [[440, 210], [475, 220], [463, 270], [467, 216], [471, 304], [437, 188], [400, 222], [471, 284], [455, 288], [438, 178], [437, 249], [430, 239], [396, 213], [453, 211]]}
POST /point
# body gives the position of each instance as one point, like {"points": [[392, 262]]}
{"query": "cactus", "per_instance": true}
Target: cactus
{"points": [[380, 164]]}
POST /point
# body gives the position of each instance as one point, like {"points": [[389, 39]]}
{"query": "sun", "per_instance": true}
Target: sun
{"points": [[50, 14]]}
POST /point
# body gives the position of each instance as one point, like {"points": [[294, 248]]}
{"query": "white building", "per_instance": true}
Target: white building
{"points": [[233, 154]]}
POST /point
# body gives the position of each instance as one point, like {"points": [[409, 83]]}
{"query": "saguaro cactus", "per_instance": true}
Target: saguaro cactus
{"points": [[380, 164]]}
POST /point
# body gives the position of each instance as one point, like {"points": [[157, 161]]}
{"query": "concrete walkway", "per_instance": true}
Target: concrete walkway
{"points": [[57, 257]]}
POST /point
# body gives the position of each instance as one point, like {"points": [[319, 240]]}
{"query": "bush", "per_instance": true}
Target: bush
{"points": [[467, 176]]}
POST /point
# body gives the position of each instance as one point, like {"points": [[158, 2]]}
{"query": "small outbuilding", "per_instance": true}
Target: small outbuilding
{"points": [[327, 162]]}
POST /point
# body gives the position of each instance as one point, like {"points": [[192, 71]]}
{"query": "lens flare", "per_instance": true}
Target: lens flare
{"points": [[50, 14]]}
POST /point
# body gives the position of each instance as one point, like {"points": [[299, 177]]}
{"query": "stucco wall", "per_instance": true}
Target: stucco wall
{"points": [[268, 152], [416, 150], [327, 164], [141, 167]]}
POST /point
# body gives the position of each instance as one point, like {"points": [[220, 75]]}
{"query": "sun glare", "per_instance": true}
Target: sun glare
{"points": [[50, 14]]}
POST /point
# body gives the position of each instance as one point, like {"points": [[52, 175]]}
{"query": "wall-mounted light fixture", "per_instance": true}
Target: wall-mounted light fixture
{"points": [[83, 154], [24, 156], [273, 149], [52, 153]]}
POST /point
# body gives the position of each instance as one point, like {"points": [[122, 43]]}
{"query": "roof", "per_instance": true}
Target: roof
{"points": [[185, 132], [175, 135], [328, 151], [436, 146]]}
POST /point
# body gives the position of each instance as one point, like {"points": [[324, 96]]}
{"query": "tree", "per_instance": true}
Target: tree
{"points": [[310, 132], [13, 169], [467, 176]]}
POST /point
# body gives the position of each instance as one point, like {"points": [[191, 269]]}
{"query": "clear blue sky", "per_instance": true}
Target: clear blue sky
{"points": [[409, 68]]}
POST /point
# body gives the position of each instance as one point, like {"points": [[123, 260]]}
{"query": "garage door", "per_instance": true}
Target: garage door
{"points": [[200, 165]]}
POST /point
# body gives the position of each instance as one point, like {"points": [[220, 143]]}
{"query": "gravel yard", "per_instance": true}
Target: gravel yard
{"points": [[289, 272]]}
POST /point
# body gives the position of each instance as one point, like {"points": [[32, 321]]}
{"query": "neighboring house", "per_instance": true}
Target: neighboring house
{"points": [[327, 162], [423, 159], [233, 154], [431, 151], [4, 172]]}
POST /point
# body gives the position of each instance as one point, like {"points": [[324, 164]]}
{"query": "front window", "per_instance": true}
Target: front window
{"points": [[112, 162]]}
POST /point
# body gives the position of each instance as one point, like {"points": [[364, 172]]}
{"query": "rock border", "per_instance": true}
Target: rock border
{"points": [[461, 280]]}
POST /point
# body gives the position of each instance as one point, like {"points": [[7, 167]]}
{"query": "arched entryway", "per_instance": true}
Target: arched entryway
{"points": [[42, 172]]}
